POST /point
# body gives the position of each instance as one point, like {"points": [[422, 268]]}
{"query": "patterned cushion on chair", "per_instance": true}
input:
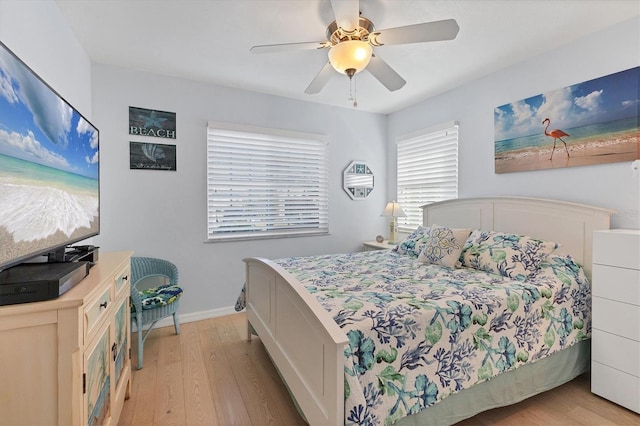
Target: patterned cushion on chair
{"points": [[157, 296]]}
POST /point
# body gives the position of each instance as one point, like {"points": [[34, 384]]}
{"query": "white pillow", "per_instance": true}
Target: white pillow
{"points": [[442, 245]]}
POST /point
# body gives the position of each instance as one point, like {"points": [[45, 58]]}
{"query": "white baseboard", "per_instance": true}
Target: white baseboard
{"points": [[194, 316]]}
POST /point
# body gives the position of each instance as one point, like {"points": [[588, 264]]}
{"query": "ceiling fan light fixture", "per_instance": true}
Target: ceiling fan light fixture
{"points": [[350, 55]]}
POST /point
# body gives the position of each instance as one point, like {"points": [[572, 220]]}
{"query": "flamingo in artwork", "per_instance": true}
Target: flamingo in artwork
{"points": [[555, 134]]}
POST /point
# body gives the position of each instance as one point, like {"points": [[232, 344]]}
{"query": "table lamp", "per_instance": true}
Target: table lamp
{"points": [[393, 210]]}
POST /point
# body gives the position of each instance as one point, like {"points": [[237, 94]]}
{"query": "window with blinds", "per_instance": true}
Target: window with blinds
{"points": [[427, 171], [265, 183]]}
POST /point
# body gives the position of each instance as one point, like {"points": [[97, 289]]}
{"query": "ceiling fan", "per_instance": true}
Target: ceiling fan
{"points": [[351, 39]]}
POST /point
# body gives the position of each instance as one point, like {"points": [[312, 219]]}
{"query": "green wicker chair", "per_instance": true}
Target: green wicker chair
{"points": [[149, 305]]}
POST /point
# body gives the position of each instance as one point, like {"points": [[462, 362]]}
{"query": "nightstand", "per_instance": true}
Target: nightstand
{"points": [[615, 339], [374, 245]]}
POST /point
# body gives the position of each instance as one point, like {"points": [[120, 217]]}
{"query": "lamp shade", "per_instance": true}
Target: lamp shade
{"points": [[350, 54], [393, 209]]}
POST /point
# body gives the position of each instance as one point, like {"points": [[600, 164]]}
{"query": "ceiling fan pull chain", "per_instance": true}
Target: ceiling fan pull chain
{"points": [[352, 91], [355, 94]]}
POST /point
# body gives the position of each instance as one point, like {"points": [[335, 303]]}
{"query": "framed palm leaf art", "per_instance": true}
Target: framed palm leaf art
{"points": [[152, 156]]}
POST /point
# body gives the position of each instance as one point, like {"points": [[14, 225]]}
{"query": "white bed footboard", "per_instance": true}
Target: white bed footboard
{"points": [[304, 342]]}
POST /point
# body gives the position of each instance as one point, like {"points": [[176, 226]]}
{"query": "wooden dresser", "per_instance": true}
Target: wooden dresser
{"points": [[615, 342], [67, 361]]}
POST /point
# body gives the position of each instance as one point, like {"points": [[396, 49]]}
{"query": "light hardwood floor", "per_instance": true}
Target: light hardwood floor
{"points": [[210, 375]]}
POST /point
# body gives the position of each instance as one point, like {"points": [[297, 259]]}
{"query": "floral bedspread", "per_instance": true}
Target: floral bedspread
{"points": [[418, 333]]}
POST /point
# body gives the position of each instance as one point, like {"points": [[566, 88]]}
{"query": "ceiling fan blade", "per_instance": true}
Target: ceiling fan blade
{"points": [[320, 79], [287, 47], [418, 33], [347, 13], [385, 74]]}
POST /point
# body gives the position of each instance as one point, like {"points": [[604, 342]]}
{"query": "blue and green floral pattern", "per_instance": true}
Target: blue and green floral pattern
{"points": [[413, 243], [162, 295], [419, 333], [510, 255]]}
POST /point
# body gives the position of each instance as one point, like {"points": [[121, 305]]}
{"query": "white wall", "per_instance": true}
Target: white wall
{"points": [[608, 185], [38, 34], [163, 213]]}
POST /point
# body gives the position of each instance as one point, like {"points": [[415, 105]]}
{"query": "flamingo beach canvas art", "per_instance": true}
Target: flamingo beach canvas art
{"points": [[593, 122]]}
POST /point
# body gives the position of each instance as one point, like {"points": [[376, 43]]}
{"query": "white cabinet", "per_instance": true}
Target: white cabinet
{"points": [[615, 342], [66, 361]]}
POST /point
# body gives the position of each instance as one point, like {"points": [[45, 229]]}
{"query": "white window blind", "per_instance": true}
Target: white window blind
{"points": [[265, 183], [427, 171]]}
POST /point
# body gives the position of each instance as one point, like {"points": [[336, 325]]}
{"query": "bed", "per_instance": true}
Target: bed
{"points": [[296, 305]]}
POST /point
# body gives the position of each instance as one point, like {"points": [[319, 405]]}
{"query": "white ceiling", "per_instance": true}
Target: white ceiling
{"points": [[209, 41]]}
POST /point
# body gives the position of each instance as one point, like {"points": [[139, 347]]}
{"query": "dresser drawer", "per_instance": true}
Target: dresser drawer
{"points": [[625, 355], [122, 278], [617, 247], [617, 318], [616, 283], [96, 310], [616, 386]]}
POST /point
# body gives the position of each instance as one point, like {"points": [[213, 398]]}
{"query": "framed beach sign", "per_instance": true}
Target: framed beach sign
{"points": [[151, 122], [152, 156], [593, 122]]}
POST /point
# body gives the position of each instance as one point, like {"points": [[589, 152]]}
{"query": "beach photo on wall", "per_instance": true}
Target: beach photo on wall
{"points": [[593, 122]]}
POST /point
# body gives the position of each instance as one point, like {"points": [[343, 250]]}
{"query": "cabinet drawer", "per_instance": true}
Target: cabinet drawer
{"points": [[616, 386], [616, 283], [615, 351], [617, 318], [122, 278], [96, 310], [617, 247]]}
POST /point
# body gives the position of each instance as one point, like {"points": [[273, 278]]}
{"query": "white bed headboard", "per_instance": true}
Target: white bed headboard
{"points": [[569, 224]]}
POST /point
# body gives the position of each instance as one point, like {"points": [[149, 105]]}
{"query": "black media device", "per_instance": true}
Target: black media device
{"points": [[35, 282], [82, 254]]}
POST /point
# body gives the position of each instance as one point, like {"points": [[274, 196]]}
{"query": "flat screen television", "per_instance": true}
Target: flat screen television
{"points": [[49, 168]]}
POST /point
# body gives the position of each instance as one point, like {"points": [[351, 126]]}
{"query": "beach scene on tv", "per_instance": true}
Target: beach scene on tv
{"points": [[49, 191], [593, 122]]}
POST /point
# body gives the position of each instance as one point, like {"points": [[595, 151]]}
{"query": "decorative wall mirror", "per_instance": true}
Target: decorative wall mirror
{"points": [[357, 180]]}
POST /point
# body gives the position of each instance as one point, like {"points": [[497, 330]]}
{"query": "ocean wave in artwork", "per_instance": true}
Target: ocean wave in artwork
{"points": [[23, 206]]}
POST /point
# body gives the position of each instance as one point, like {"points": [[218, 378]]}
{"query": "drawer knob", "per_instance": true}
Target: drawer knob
{"points": [[125, 278], [104, 304]]}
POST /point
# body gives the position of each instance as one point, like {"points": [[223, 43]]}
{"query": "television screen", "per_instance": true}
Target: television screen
{"points": [[49, 174]]}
